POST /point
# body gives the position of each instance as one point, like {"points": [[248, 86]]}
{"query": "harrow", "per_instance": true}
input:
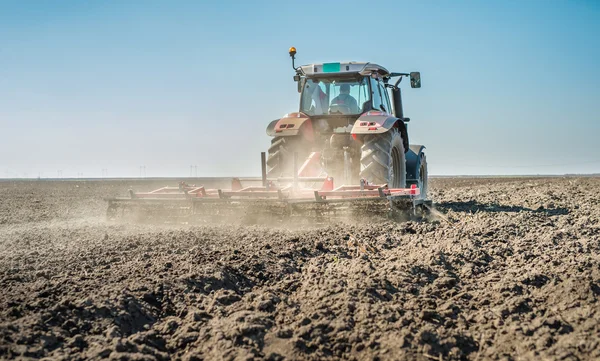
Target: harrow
{"points": [[259, 199]]}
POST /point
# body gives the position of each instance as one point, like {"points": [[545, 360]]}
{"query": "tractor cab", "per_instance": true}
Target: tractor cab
{"points": [[347, 88]]}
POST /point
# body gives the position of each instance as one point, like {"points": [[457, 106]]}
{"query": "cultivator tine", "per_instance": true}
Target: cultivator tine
{"points": [[295, 171], [263, 169]]}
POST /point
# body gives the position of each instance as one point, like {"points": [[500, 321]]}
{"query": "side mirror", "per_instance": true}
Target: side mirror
{"points": [[415, 79]]}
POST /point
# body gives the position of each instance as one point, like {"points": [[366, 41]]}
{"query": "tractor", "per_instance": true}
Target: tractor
{"points": [[351, 122]]}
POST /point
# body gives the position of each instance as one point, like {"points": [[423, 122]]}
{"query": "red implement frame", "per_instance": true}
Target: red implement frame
{"points": [[284, 190], [287, 193]]}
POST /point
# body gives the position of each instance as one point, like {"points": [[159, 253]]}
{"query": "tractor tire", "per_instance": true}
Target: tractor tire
{"points": [[383, 160], [280, 161], [422, 176]]}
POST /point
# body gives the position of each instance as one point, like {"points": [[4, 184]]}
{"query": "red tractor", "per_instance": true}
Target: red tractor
{"points": [[351, 125]]}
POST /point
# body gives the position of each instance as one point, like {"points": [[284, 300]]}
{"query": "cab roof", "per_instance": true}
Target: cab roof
{"points": [[341, 68]]}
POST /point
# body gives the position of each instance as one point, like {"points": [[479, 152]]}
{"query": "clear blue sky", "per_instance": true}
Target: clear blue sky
{"points": [[509, 87]]}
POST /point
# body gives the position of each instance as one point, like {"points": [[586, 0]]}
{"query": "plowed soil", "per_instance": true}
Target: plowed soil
{"points": [[510, 272]]}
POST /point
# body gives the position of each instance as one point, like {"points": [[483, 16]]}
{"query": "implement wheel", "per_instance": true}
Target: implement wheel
{"points": [[382, 159]]}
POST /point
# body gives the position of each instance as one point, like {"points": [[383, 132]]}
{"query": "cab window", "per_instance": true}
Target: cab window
{"points": [[322, 96]]}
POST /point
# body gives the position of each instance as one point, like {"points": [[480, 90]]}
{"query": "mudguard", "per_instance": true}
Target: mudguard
{"points": [[376, 122], [290, 125], [271, 128], [413, 163], [373, 122]]}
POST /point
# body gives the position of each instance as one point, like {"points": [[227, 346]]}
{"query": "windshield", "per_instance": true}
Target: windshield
{"points": [[334, 96]]}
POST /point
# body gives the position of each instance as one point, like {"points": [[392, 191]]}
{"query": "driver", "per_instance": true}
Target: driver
{"points": [[346, 99]]}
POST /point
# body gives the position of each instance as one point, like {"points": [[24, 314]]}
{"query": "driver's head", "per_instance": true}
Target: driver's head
{"points": [[344, 89]]}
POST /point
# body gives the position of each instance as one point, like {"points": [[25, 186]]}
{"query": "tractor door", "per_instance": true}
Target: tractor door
{"points": [[381, 100], [386, 98]]}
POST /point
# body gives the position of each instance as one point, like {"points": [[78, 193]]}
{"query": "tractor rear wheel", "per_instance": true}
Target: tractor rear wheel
{"points": [[280, 161], [382, 159]]}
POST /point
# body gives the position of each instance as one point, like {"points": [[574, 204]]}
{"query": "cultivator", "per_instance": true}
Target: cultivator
{"points": [[269, 199], [347, 126]]}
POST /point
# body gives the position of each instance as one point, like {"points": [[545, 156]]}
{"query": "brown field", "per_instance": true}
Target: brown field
{"points": [[513, 275]]}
